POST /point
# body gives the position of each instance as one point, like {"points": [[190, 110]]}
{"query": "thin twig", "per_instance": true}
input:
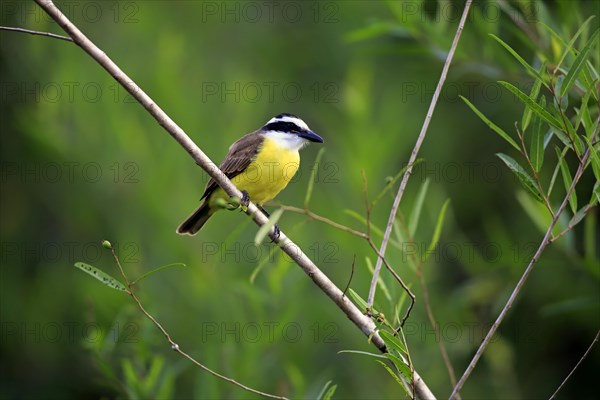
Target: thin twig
{"points": [[29, 31], [365, 324], [427, 302], [320, 218], [369, 207], [351, 276], [509, 303], [587, 209], [415, 151], [576, 365], [174, 345]]}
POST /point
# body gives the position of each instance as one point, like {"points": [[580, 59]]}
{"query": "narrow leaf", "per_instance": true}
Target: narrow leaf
{"points": [[594, 158], [578, 216], [438, 230], [388, 369], [535, 107], [327, 392], [569, 46], [101, 276], [492, 126], [556, 169], [416, 211], [567, 180], [155, 270], [401, 365], [264, 261], [537, 143], [595, 194], [313, 174], [393, 181], [535, 91], [579, 63], [363, 305], [364, 353], [392, 342], [536, 211], [520, 59], [360, 218], [524, 178], [266, 228]]}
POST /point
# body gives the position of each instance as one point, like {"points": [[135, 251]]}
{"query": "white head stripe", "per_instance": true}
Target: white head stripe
{"points": [[293, 120]]}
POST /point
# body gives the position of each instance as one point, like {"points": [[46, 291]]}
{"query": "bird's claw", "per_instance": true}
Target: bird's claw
{"points": [[276, 233], [245, 200]]}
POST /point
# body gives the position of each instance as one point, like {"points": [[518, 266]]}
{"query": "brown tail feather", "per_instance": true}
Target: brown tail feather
{"points": [[195, 221]]}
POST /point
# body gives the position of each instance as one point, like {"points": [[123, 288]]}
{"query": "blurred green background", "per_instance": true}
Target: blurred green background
{"points": [[81, 162]]}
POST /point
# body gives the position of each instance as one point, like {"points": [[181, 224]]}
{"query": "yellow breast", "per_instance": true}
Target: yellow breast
{"points": [[269, 173]]}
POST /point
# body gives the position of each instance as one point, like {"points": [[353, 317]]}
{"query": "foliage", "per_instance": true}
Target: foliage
{"points": [[80, 163]]}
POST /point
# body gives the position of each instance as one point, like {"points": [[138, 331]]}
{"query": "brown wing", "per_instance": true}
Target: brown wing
{"points": [[240, 155]]}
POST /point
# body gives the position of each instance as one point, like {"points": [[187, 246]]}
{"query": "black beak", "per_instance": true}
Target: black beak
{"points": [[310, 135]]}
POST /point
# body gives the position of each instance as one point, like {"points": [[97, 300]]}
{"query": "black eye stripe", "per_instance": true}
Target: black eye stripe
{"points": [[282, 126]]}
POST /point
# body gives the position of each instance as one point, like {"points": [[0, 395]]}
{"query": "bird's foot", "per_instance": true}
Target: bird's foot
{"points": [[245, 200], [276, 233]]}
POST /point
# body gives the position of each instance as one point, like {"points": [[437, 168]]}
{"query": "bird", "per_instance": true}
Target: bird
{"points": [[260, 164]]}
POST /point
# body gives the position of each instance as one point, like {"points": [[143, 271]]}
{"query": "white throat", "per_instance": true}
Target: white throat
{"points": [[287, 140]]}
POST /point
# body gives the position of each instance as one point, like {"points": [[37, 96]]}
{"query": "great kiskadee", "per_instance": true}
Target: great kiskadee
{"points": [[260, 164]]}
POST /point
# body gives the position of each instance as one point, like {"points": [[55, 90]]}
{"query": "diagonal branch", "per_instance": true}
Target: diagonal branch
{"points": [[513, 296], [364, 323], [415, 151]]}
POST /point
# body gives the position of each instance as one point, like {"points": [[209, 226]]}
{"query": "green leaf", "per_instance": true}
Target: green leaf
{"points": [[524, 178], [437, 231], [567, 180], [150, 380], [388, 369], [101, 276], [590, 235], [327, 391], [579, 63], [569, 46], [594, 158], [362, 304], [401, 365], [155, 270], [266, 228], [556, 169], [583, 111], [578, 216], [537, 143], [392, 342], [537, 212], [393, 181], [416, 211], [535, 107], [493, 126], [364, 353], [313, 174], [374, 229], [264, 261], [595, 199], [535, 91], [520, 59]]}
